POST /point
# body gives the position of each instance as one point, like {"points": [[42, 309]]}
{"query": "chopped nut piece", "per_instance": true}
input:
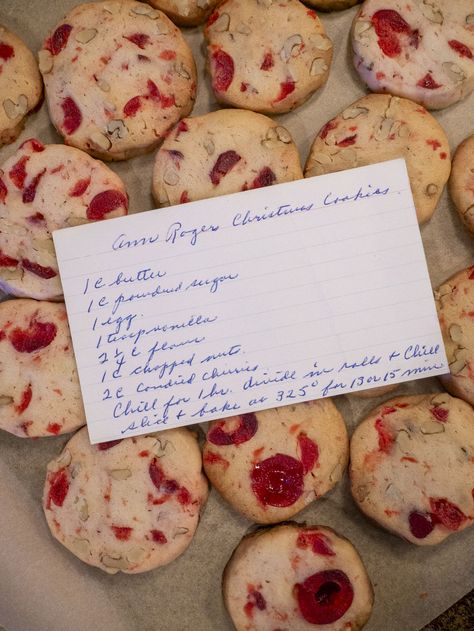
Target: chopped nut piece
{"points": [[171, 177], [100, 140], [117, 129], [455, 333], [354, 112], [13, 110], [114, 561], [209, 146], [45, 61], [120, 474], [454, 72], [431, 189], [432, 427], [243, 29], [318, 67], [286, 52], [81, 547], [222, 23], [5, 400], [431, 11], [322, 42], [86, 35], [136, 555]]}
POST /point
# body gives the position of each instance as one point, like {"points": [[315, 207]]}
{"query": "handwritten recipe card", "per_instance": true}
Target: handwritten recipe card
{"points": [[249, 301]]}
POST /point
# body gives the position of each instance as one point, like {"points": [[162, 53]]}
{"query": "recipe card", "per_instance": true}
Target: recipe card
{"points": [[249, 301]]}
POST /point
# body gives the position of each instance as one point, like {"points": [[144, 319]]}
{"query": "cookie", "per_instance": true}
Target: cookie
{"points": [[412, 466], [45, 188], [223, 152], [332, 5], [422, 50], [271, 464], [39, 386], [374, 392], [118, 74], [298, 578], [461, 182], [21, 87], [185, 12], [455, 306], [129, 505], [266, 56], [380, 127]]}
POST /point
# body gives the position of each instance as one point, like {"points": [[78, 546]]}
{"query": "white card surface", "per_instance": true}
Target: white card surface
{"points": [[249, 301]]}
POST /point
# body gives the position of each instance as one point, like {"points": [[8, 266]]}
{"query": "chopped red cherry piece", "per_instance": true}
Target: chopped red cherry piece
{"points": [[37, 218], [156, 473], [104, 203], [7, 261], [278, 480], [154, 93], [386, 439], [122, 533], [224, 163], [18, 172], [212, 18], [421, 524], [387, 24], [460, 48], [158, 536], [59, 39], [223, 70], [184, 198], [6, 51], [38, 335], [58, 488], [33, 144], [440, 414], [25, 400], [325, 597], [347, 142], [428, 82], [448, 514], [309, 452], [167, 55], [72, 115], [108, 444], [132, 106], [80, 187], [286, 88], [29, 193], [3, 191], [317, 541], [54, 428], [265, 177], [38, 270], [139, 39], [329, 126], [247, 428], [267, 62]]}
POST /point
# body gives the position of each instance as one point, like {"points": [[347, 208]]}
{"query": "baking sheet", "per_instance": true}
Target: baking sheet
{"points": [[44, 588]]}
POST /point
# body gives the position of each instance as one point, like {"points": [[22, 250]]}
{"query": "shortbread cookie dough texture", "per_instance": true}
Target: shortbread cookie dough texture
{"points": [[266, 56], [461, 181], [118, 75], [455, 305], [126, 505], [412, 466], [39, 386], [421, 49], [296, 577], [381, 127], [271, 464], [20, 85], [45, 188], [223, 152]]}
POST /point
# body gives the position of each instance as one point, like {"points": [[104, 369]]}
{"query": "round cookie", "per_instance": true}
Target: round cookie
{"points": [[39, 386], [455, 305], [412, 466], [461, 181], [118, 74], [298, 578], [44, 188], [20, 85], [381, 127], [266, 56], [271, 464], [185, 12], [223, 152], [129, 505], [332, 5], [422, 50]]}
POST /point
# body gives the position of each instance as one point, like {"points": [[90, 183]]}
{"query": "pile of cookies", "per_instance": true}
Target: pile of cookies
{"points": [[120, 80]]}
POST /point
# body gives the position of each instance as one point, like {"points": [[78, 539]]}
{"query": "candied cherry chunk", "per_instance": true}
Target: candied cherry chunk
{"points": [[421, 524], [247, 428], [39, 270], [265, 177], [224, 163], [325, 597], [223, 66], [6, 51], [447, 513], [278, 480], [72, 115], [108, 444], [59, 39], [58, 488], [104, 203], [38, 335], [388, 24], [460, 48], [309, 452]]}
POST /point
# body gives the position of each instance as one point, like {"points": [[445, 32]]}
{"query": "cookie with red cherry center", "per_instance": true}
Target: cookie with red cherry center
{"points": [[39, 386], [296, 577], [461, 182], [223, 152], [412, 466], [421, 50], [20, 85], [266, 56], [45, 188], [118, 74], [185, 12], [455, 306], [271, 464], [126, 505], [381, 127]]}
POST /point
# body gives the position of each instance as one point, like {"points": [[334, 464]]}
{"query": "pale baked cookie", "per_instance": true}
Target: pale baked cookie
{"points": [[461, 182], [381, 127], [412, 466], [297, 578], [266, 56], [185, 12], [421, 49], [20, 85], [332, 5], [271, 464], [44, 188], [39, 386], [118, 75], [455, 305], [374, 392], [223, 152], [129, 505]]}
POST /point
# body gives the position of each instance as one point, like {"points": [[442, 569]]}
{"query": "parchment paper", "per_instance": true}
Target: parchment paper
{"points": [[44, 588]]}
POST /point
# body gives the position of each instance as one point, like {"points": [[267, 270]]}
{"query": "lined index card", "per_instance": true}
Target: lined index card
{"points": [[249, 301]]}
